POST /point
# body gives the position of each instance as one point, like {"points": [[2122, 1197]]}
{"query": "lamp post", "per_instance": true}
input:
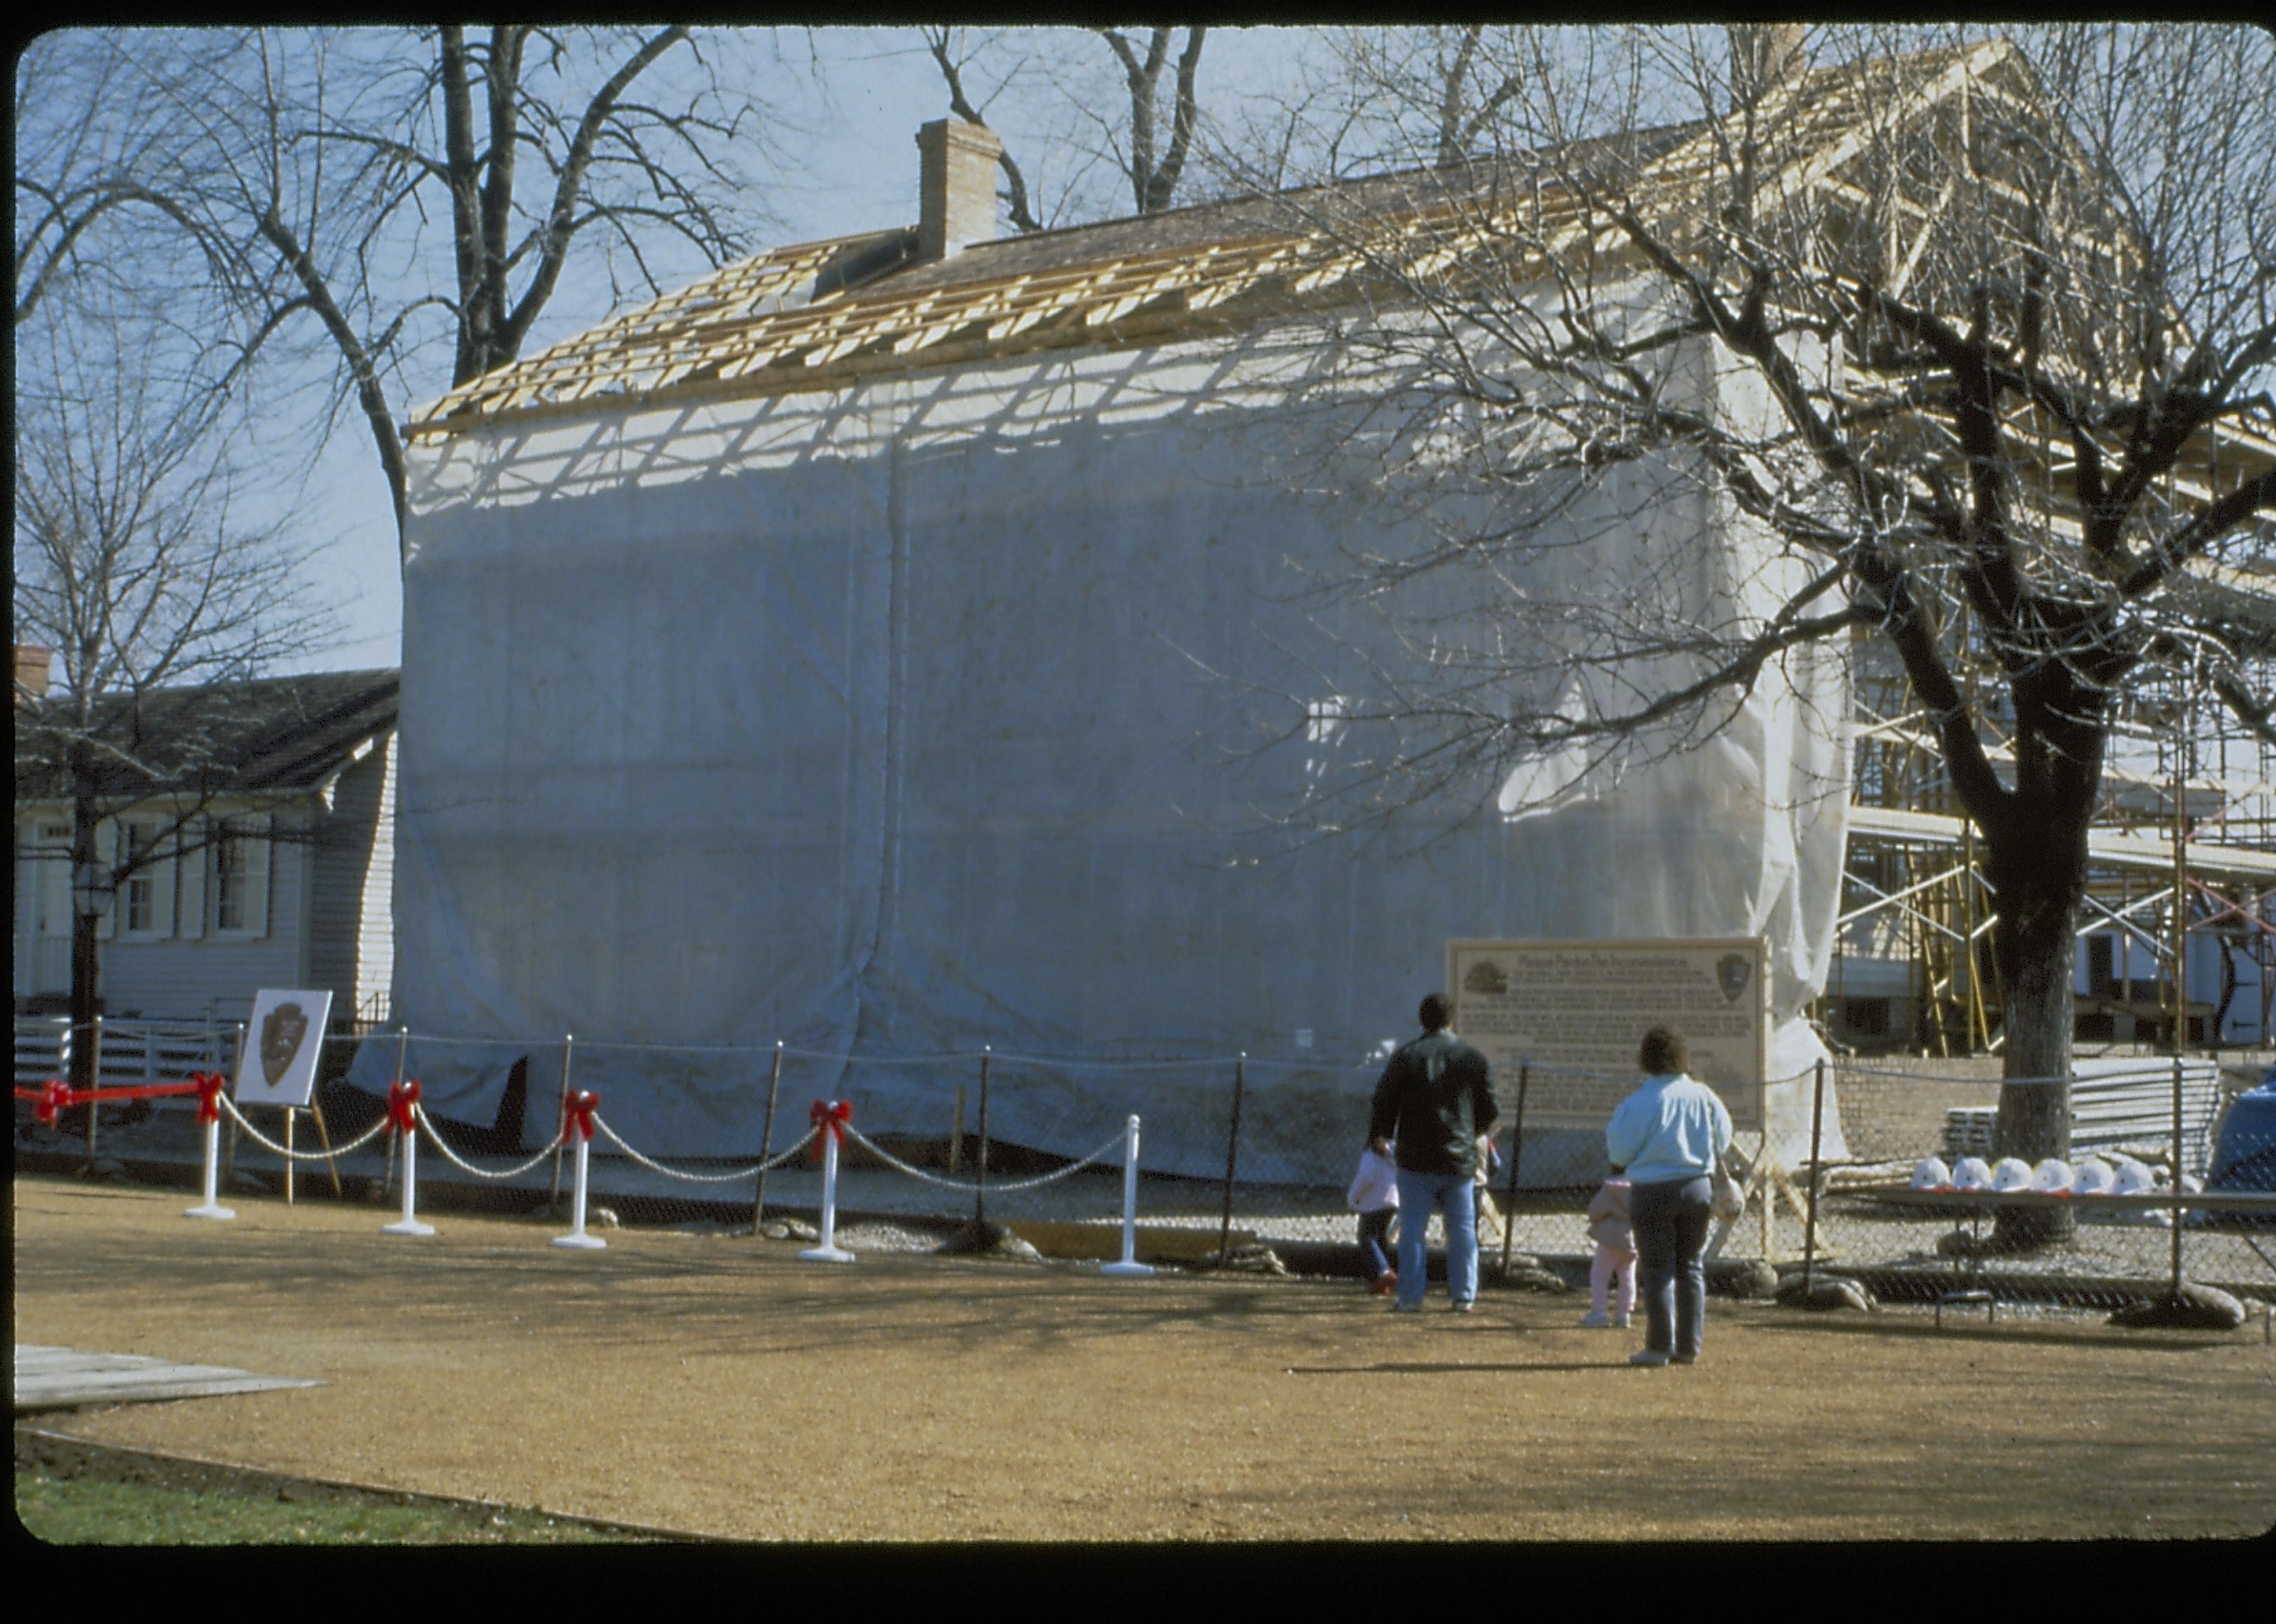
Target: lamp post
{"points": [[93, 890]]}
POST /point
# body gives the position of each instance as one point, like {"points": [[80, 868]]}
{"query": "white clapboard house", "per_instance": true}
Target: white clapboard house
{"points": [[271, 803]]}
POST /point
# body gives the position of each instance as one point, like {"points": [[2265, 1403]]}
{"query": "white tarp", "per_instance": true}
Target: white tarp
{"points": [[922, 715]]}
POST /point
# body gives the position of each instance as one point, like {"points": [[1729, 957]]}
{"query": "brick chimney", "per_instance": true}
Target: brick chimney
{"points": [[33, 664], [956, 187]]}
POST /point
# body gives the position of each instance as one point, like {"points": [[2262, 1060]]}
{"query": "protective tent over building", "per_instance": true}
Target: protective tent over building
{"points": [[879, 666]]}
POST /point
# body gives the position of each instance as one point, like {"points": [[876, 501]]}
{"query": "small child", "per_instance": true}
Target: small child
{"points": [[1374, 1195], [1489, 1169], [1616, 1252]]}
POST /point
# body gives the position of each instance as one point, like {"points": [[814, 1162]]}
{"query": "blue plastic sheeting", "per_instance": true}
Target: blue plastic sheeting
{"points": [[957, 710], [2244, 1152]]}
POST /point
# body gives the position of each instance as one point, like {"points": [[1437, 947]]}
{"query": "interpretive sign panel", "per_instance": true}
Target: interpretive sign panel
{"points": [[1577, 1011], [279, 1067]]}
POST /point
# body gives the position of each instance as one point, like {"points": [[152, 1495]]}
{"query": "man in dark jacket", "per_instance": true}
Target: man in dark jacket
{"points": [[1434, 1103]]}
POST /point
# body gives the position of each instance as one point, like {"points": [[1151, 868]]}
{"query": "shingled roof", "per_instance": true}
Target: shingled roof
{"points": [[274, 736], [817, 314]]}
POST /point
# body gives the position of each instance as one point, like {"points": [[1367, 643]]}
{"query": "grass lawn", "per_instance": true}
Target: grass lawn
{"points": [[90, 1511]]}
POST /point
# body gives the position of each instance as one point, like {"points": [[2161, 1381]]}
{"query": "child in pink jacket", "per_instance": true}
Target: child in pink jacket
{"points": [[1616, 1252]]}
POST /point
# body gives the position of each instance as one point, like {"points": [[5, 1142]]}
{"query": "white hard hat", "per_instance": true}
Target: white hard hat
{"points": [[1931, 1174], [2091, 1178], [2132, 1178], [2012, 1173], [2053, 1175], [1971, 1174]]}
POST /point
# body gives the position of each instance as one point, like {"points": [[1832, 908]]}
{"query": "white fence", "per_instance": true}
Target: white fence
{"points": [[129, 1050]]}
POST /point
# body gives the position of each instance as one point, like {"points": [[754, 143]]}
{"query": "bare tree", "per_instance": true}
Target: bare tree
{"points": [[79, 175], [953, 56], [1150, 156], [158, 601], [1974, 332], [307, 171], [1361, 101], [1154, 168]]}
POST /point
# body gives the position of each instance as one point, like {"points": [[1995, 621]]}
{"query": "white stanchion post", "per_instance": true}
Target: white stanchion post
{"points": [[211, 1206], [1129, 1264], [408, 1224], [577, 1238], [827, 1251]]}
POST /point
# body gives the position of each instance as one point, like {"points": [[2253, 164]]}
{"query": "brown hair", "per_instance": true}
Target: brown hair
{"points": [[1664, 1051]]}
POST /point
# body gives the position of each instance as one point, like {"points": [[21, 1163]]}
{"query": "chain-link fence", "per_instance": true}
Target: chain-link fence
{"points": [[1245, 1162], [2167, 1174]]}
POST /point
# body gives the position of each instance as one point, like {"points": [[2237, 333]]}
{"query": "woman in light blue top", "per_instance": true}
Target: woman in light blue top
{"points": [[1670, 1133]]}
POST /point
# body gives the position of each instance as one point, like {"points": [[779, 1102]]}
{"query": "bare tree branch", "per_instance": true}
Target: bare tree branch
{"points": [[313, 171], [1978, 327], [938, 42]]}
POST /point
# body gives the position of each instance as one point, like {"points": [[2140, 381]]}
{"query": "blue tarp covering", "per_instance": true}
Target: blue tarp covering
{"points": [[2244, 1152]]}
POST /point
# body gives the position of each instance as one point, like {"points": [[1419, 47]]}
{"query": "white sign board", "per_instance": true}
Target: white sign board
{"points": [[279, 1067], [1582, 1006]]}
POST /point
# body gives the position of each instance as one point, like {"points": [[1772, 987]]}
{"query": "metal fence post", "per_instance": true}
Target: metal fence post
{"points": [[560, 1114], [236, 1068], [1232, 1157], [387, 1163], [94, 1083], [766, 1142], [1810, 1217], [980, 1189], [1516, 1153], [2176, 1287]]}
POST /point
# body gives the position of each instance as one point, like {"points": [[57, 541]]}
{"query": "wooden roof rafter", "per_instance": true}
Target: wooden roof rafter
{"points": [[715, 334]]}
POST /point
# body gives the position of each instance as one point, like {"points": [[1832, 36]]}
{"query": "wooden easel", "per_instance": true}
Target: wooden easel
{"points": [[324, 1138], [1768, 1179]]}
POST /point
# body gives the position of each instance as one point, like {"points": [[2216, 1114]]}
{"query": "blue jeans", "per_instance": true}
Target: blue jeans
{"points": [[1670, 1221], [1452, 1194]]}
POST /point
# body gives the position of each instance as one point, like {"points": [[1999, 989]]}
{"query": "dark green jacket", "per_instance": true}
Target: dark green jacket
{"points": [[1436, 1097]]}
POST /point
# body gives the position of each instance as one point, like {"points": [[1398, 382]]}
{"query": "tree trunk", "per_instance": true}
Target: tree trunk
{"points": [[86, 972], [2036, 944], [86, 963]]}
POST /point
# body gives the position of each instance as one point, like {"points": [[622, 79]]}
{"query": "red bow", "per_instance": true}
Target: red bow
{"points": [[209, 1086], [577, 1114], [831, 1120], [400, 1097], [53, 1099]]}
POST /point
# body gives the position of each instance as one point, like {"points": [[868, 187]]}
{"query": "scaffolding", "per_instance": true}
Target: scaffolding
{"points": [[2188, 810], [1912, 893]]}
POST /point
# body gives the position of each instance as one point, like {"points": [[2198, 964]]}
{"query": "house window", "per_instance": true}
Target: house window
{"points": [[140, 914], [230, 881], [240, 870], [2101, 966], [1865, 1017]]}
